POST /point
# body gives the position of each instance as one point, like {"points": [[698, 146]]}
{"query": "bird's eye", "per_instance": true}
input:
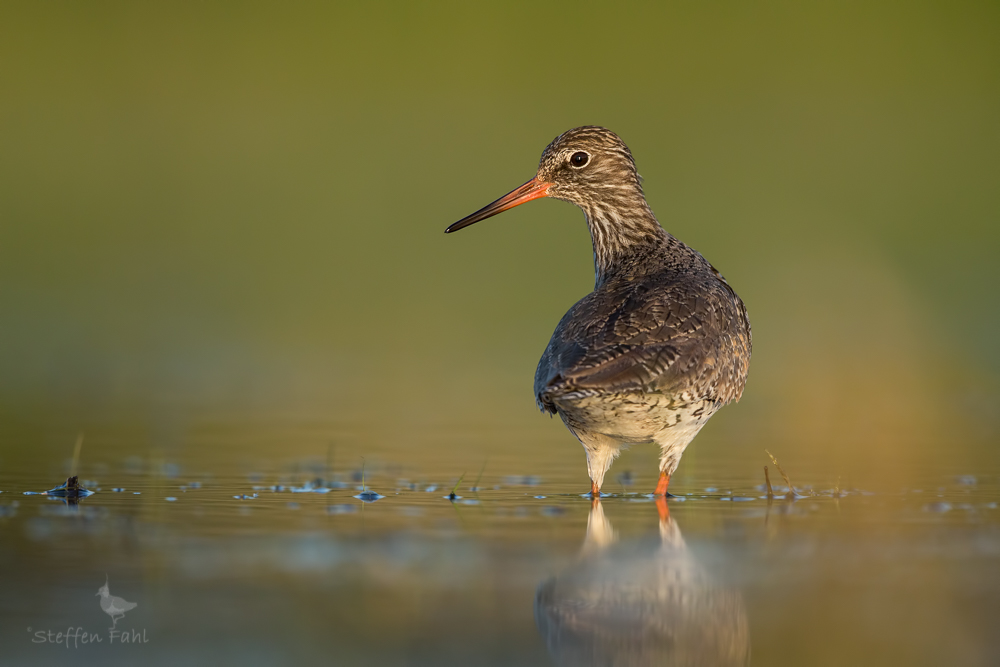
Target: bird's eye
{"points": [[579, 159]]}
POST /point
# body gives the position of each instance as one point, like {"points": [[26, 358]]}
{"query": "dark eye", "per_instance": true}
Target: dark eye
{"points": [[579, 159]]}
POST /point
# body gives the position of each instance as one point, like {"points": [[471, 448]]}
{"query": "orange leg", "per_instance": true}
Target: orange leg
{"points": [[595, 491], [661, 486]]}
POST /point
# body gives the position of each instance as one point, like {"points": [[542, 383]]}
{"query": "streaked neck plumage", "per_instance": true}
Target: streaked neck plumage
{"points": [[623, 231]]}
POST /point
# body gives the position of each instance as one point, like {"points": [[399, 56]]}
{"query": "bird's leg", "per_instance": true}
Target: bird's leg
{"points": [[601, 452], [661, 486]]}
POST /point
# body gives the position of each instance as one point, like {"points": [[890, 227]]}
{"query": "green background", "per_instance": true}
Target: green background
{"points": [[219, 212]]}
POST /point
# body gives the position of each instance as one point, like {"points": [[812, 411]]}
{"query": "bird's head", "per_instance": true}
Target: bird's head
{"points": [[586, 166]]}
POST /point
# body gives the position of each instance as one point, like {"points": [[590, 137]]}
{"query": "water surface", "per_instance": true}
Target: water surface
{"points": [[283, 563]]}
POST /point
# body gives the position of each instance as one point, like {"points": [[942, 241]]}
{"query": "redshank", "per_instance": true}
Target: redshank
{"points": [[661, 343]]}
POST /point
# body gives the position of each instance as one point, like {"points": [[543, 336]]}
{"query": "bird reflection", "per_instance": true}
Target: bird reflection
{"points": [[640, 602]]}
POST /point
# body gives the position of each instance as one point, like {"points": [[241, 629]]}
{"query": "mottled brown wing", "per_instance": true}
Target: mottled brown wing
{"points": [[642, 338]]}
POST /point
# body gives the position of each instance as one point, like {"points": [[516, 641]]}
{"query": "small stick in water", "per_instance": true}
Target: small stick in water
{"points": [[767, 481], [452, 496], [788, 482], [76, 454], [329, 464], [475, 487]]}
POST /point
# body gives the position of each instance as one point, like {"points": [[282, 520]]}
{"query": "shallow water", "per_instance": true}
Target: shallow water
{"points": [[281, 563]]}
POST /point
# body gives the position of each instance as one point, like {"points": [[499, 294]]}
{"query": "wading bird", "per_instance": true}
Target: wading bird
{"points": [[661, 343]]}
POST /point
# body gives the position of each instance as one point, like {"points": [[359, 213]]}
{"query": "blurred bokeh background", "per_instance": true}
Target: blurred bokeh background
{"points": [[232, 213]]}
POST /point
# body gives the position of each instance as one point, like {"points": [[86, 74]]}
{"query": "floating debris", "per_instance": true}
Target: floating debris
{"points": [[170, 499], [431, 489], [540, 497], [367, 495], [119, 489], [70, 489], [244, 496]]}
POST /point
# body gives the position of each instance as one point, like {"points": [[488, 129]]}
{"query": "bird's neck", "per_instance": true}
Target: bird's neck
{"points": [[622, 232]]}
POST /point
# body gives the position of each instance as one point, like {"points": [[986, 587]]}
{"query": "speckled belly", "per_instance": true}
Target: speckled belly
{"points": [[637, 417]]}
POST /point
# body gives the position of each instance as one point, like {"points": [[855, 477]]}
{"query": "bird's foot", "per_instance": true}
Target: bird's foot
{"points": [[595, 491]]}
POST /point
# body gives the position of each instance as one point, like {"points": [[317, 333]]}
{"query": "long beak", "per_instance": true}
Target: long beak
{"points": [[533, 189]]}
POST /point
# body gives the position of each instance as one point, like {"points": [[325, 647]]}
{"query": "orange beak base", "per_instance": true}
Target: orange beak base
{"points": [[533, 189]]}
